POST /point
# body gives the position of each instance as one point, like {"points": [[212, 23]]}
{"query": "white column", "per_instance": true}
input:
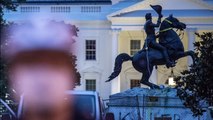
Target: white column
{"points": [[115, 83], [153, 78], [191, 40]]}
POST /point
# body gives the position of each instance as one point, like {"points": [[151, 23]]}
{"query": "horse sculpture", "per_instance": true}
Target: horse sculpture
{"points": [[144, 60]]}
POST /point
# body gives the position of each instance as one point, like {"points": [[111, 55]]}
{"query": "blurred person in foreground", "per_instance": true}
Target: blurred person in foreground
{"points": [[43, 76], [42, 69]]}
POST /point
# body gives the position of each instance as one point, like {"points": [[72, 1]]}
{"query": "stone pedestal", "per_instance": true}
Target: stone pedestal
{"points": [[149, 104]]}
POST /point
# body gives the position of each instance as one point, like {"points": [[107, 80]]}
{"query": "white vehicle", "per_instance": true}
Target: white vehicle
{"points": [[86, 103]]}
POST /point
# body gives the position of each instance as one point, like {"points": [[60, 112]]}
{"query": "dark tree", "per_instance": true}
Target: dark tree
{"points": [[195, 86], [5, 5], [8, 5], [11, 6]]}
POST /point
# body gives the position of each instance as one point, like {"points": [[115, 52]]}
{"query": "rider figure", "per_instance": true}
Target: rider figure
{"points": [[150, 41]]}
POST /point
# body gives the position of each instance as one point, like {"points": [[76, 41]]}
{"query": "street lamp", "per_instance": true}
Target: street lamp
{"points": [[171, 81]]}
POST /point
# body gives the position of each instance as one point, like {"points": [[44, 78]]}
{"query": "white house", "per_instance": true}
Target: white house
{"points": [[108, 28]]}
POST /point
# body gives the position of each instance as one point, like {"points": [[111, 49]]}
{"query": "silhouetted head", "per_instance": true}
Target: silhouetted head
{"points": [[148, 16]]}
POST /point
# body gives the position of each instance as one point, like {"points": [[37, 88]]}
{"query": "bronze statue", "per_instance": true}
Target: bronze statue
{"points": [[150, 41], [170, 48]]}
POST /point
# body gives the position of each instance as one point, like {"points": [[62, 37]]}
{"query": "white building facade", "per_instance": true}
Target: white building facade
{"points": [[107, 28]]}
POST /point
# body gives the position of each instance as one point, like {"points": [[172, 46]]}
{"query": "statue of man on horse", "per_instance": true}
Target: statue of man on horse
{"points": [[150, 41], [168, 50]]}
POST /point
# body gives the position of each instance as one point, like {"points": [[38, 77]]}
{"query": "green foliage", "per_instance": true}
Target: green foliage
{"points": [[195, 86]]}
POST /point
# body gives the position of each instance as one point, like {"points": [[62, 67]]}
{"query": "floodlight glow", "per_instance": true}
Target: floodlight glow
{"points": [[171, 81]]}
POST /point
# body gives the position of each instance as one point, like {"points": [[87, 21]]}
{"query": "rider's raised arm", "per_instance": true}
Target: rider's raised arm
{"points": [[158, 23]]}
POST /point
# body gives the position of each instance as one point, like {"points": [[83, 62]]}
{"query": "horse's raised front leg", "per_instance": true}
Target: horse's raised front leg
{"points": [[187, 53], [145, 79]]}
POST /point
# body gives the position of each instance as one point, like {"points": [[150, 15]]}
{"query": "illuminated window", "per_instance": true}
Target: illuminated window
{"points": [[135, 46], [90, 50], [91, 85], [134, 83]]}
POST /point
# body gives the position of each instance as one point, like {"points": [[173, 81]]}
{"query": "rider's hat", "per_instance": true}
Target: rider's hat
{"points": [[157, 8]]}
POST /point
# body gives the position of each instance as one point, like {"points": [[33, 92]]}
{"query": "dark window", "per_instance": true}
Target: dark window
{"points": [[91, 9], [90, 50], [134, 83], [84, 107], [91, 85], [60, 9], [30, 9], [135, 46]]}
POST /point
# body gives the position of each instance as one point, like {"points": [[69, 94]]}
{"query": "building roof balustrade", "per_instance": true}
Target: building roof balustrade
{"points": [[66, 1]]}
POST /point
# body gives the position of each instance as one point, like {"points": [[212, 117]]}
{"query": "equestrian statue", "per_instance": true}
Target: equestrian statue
{"points": [[165, 52]]}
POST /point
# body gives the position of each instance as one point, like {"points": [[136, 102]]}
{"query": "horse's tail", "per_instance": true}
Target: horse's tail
{"points": [[118, 65]]}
